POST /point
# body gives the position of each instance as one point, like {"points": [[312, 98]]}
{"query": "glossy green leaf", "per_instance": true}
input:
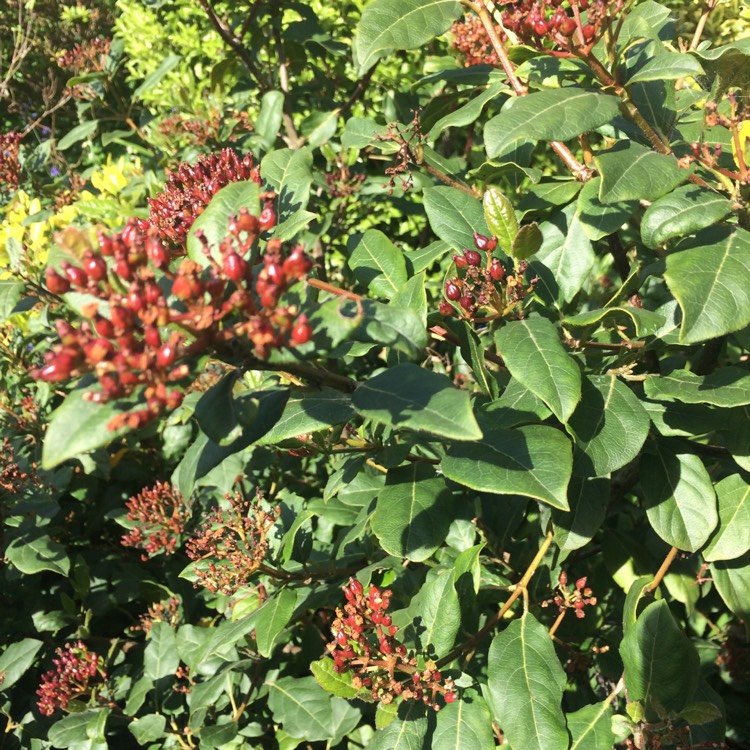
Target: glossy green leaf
{"points": [[517, 406], [591, 727], [406, 732], [552, 115], [302, 707], [630, 171], [732, 538], [609, 426], [500, 218], [388, 25], [526, 683], [533, 461], [661, 664], [535, 357], [469, 112], [412, 295], [464, 724], [161, 657], [413, 512], [454, 216], [528, 241], [599, 219], [80, 729], [644, 322], [710, 278], [436, 614], [336, 683], [685, 210], [410, 396], [272, 618], [732, 581], [378, 264], [214, 221], [679, 497], [16, 659], [588, 499], [726, 387], [36, 551], [668, 66], [648, 20]]}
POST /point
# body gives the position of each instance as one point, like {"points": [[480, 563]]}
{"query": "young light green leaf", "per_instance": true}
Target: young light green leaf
{"points": [[378, 264], [526, 683], [731, 539], [536, 358], [272, 618], [410, 396], [500, 218]]}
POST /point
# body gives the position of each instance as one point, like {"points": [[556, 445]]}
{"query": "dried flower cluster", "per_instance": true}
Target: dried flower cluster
{"points": [[470, 39], [86, 56], [205, 130], [77, 674], [577, 598], [167, 611], [10, 168], [484, 282], [364, 644], [130, 341], [231, 544], [189, 190], [160, 513]]}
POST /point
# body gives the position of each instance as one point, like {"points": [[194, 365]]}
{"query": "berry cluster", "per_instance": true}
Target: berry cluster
{"points": [[10, 167], [167, 611], [577, 598], [364, 644], [568, 25], [161, 513], [231, 544], [189, 190], [470, 39], [77, 674], [88, 56], [141, 327], [484, 282]]}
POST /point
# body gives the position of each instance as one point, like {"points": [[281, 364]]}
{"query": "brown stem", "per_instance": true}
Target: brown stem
{"points": [[556, 624], [324, 286], [473, 192], [495, 619], [668, 560], [710, 5]]}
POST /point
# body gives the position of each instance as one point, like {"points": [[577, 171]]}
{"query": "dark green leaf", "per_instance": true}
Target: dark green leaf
{"points": [[302, 707], [668, 66], [406, 732], [645, 322], [272, 618], [454, 216], [35, 552], [290, 173], [588, 498], [527, 242], [599, 219], [726, 387], [732, 581], [79, 133], [147, 729], [378, 264], [436, 614], [468, 113], [79, 729], [16, 660]]}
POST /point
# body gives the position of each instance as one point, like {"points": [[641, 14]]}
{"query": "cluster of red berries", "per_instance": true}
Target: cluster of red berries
{"points": [[86, 56], [10, 168], [483, 282], [77, 673], [131, 342], [189, 190], [231, 544], [364, 644], [569, 25], [160, 513], [471, 40], [577, 598]]}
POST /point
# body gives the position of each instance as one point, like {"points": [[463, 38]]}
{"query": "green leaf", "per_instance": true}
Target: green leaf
{"points": [[637, 591], [535, 357], [16, 659], [413, 296], [148, 728], [378, 264], [290, 173], [588, 498], [79, 729], [152, 79], [302, 707], [667, 66], [599, 219], [731, 538], [410, 396], [517, 406], [293, 225], [726, 387], [161, 657], [500, 218], [273, 617], [436, 614], [609, 426], [645, 322], [10, 293], [413, 512], [683, 211], [526, 684], [649, 19], [35, 552], [732, 581], [630, 171], [464, 724], [591, 727], [454, 216], [472, 351], [214, 221], [551, 115], [679, 497], [661, 664], [406, 732], [309, 410], [710, 278], [269, 119], [79, 133], [388, 25], [528, 241], [534, 461], [468, 113], [336, 683]]}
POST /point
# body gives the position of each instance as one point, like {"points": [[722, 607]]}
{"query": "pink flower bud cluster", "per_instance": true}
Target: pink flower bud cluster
{"points": [[577, 599]]}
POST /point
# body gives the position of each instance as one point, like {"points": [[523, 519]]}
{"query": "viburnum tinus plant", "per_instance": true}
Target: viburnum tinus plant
{"points": [[414, 413]]}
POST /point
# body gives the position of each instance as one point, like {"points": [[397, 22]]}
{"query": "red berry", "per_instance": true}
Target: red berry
{"points": [[341, 638], [267, 218], [297, 264], [473, 258], [76, 276], [156, 252], [302, 331], [234, 267], [497, 271], [151, 337], [568, 27], [445, 308], [275, 273], [104, 328], [355, 586], [484, 243], [541, 28], [467, 301], [96, 267], [165, 357], [55, 283], [246, 222], [452, 291], [105, 244], [460, 260], [122, 317], [449, 696], [589, 32], [581, 583]]}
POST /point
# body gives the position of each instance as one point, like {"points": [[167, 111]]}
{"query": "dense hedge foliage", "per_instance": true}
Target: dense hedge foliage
{"points": [[375, 374]]}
